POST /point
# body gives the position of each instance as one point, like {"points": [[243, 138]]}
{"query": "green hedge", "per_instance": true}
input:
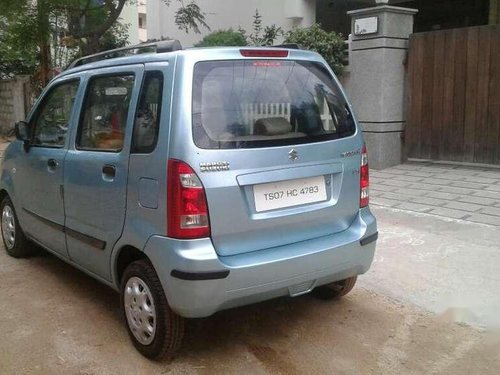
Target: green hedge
{"points": [[330, 45], [227, 38]]}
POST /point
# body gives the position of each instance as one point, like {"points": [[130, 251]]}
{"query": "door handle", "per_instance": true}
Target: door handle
{"points": [[52, 163], [109, 171]]}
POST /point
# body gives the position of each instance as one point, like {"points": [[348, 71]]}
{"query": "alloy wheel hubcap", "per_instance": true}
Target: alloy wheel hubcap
{"points": [[140, 310], [8, 227]]}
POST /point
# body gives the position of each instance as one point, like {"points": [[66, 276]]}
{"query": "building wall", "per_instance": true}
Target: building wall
{"points": [[224, 14], [143, 20], [130, 16], [13, 102]]}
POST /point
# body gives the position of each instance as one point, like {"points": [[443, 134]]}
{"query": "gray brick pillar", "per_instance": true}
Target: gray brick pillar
{"points": [[377, 78]]}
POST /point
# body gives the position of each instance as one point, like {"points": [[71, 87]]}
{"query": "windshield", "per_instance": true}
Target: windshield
{"points": [[262, 103]]}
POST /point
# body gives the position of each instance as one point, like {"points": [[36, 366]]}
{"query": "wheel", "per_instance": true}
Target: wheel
{"points": [[156, 331], [335, 290], [15, 242]]}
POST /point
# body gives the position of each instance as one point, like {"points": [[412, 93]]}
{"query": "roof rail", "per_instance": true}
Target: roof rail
{"points": [[154, 47]]}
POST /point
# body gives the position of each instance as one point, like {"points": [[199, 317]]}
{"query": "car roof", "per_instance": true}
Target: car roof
{"points": [[198, 53]]}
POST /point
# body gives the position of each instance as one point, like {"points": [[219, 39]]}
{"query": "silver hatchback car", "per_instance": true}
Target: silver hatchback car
{"points": [[193, 181]]}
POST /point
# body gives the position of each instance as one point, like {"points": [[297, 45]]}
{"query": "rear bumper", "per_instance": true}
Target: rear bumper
{"points": [[198, 282]]}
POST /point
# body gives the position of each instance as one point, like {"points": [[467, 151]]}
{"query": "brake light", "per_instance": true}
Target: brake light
{"points": [[187, 210], [263, 53], [364, 180]]}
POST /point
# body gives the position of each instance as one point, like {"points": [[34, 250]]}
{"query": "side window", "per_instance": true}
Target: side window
{"points": [[52, 119], [104, 113], [147, 117]]}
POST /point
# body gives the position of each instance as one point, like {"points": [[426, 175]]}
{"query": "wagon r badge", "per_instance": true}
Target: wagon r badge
{"points": [[293, 155], [214, 166], [348, 154]]}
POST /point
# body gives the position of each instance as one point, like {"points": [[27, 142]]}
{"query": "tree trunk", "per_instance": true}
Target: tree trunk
{"points": [[44, 45], [90, 45], [45, 70]]}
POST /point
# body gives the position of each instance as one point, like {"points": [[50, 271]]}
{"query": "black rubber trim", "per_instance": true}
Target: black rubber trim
{"points": [[369, 239], [95, 242], [89, 240], [44, 220], [199, 275]]}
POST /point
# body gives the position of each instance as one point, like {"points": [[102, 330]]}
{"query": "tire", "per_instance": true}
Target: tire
{"points": [[15, 242], [335, 290], [161, 336]]}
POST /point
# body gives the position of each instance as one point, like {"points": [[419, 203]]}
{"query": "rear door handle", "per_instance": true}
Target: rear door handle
{"points": [[109, 171], [52, 163]]}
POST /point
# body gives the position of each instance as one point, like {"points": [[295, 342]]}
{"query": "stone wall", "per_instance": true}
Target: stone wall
{"points": [[13, 102]]}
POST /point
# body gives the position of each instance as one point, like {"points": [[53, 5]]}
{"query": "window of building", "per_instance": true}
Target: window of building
{"points": [[142, 21]]}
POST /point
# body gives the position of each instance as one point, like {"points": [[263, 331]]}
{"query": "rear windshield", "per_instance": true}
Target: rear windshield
{"points": [[263, 103]]}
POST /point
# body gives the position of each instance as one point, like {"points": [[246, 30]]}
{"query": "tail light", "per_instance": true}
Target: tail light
{"points": [[364, 180], [263, 53], [187, 211]]}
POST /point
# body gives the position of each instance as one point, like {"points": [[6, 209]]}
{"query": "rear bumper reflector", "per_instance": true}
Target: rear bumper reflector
{"points": [[369, 239], [199, 275]]}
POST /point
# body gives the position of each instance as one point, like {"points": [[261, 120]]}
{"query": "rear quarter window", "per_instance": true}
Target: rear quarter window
{"points": [[263, 103]]}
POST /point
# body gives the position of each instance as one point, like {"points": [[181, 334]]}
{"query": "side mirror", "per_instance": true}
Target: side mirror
{"points": [[22, 131]]}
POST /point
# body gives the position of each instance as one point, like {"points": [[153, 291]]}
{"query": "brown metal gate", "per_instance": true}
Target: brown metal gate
{"points": [[454, 95]]}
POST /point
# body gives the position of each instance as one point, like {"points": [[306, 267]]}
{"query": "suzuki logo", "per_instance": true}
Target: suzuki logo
{"points": [[293, 155]]}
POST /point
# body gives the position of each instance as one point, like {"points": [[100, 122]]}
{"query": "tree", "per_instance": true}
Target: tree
{"points": [[260, 36], [227, 38], [15, 56], [330, 45], [91, 19], [189, 16], [45, 26], [26, 34]]}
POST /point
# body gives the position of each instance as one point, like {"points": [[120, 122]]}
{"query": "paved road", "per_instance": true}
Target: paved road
{"points": [[56, 320], [460, 192]]}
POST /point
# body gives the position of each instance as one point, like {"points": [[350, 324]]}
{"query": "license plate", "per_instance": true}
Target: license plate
{"points": [[289, 193]]}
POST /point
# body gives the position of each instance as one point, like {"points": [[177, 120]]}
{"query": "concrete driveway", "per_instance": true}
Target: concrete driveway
{"points": [[433, 250], [429, 305]]}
